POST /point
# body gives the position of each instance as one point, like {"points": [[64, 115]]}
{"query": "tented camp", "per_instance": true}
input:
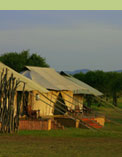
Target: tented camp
{"points": [[45, 92], [65, 96], [61, 90]]}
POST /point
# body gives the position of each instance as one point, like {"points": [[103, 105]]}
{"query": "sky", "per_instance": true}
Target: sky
{"points": [[69, 40]]}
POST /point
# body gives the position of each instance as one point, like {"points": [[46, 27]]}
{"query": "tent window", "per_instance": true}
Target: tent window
{"points": [[37, 97]]}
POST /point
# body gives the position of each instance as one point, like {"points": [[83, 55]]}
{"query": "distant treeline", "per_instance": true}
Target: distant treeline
{"points": [[109, 83]]}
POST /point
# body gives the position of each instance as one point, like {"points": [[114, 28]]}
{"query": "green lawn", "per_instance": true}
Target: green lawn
{"points": [[69, 142]]}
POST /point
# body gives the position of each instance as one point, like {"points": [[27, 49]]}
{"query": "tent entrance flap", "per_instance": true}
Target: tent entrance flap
{"points": [[59, 104], [22, 104]]}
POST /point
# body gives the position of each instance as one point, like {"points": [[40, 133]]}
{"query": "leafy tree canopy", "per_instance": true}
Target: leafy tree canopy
{"points": [[18, 61]]}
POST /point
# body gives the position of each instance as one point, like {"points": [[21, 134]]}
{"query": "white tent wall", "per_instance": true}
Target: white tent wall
{"points": [[45, 104], [68, 99], [40, 103], [78, 100]]}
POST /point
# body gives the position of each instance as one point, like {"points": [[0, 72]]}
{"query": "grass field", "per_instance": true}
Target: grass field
{"points": [[36, 146], [69, 142]]}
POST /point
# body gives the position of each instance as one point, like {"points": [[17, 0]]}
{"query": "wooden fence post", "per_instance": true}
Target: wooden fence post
{"points": [[77, 123], [49, 124]]}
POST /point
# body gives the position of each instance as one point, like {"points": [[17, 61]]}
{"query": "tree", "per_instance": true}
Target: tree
{"points": [[80, 76], [36, 60], [96, 79], [115, 85], [18, 61]]}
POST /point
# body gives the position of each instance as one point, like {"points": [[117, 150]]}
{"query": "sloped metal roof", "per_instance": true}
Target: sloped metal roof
{"points": [[90, 89], [29, 84], [52, 80]]}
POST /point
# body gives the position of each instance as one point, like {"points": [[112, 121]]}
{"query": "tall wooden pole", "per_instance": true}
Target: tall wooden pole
{"points": [[8, 88]]}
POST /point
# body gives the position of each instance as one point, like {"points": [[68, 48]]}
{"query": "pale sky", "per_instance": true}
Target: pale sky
{"points": [[69, 40]]}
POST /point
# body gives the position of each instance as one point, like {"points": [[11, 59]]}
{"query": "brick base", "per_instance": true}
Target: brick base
{"points": [[33, 125]]}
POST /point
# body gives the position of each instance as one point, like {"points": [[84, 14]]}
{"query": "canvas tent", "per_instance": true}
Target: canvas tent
{"points": [[29, 84], [58, 86]]}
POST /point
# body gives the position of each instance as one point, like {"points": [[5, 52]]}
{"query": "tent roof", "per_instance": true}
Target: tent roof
{"points": [[51, 79], [29, 84], [90, 89]]}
